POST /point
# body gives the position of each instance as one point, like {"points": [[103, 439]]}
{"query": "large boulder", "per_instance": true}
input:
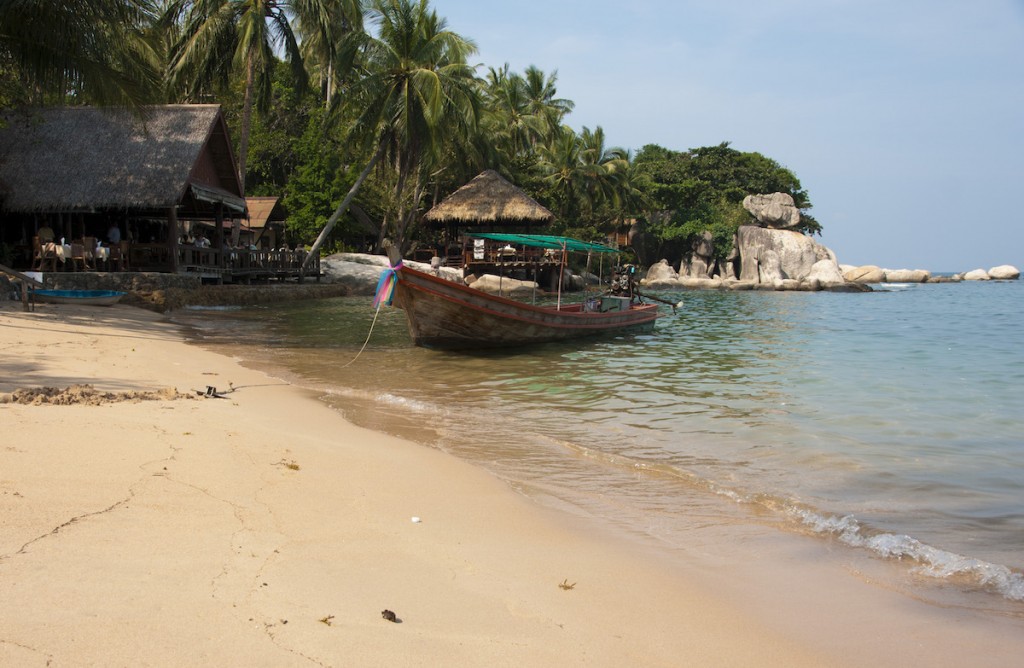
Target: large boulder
{"points": [[826, 273], [769, 268], [907, 276], [868, 273], [775, 210], [661, 271], [796, 254], [697, 268], [504, 286], [1004, 272], [360, 272], [702, 260], [977, 275]]}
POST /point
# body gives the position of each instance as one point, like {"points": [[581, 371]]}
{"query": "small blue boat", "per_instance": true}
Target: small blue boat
{"points": [[89, 297]]}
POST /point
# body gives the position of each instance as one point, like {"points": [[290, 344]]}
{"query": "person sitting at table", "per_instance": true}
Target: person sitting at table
{"points": [[114, 235], [45, 234]]}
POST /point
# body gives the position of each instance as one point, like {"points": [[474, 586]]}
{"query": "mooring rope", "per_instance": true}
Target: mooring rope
{"points": [[385, 293], [368, 335]]}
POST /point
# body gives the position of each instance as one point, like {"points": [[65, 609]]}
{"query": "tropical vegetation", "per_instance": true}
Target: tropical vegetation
{"points": [[363, 113]]}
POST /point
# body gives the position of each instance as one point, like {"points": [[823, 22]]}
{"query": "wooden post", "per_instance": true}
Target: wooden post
{"points": [[218, 235], [27, 283], [172, 237]]}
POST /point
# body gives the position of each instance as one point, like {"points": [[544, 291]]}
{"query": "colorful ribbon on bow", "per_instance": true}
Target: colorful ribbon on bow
{"points": [[386, 285]]}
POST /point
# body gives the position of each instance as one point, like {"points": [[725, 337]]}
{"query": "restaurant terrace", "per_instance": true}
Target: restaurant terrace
{"points": [[86, 189]]}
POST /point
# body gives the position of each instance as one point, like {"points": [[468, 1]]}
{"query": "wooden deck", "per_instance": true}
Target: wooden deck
{"points": [[231, 266]]}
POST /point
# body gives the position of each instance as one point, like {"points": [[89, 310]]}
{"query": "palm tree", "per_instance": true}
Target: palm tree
{"points": [[327, 51], [542, 104], [602, 169], [81, 50], [522, 111], [416, 87], [583, 175], [219, 37]]}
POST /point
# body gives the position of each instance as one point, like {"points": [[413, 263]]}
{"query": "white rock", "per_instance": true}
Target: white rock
{"points": [[504, 285], [1004, 272], [907, 276], [794, 252], [826, 272], [774, 210], [661, 271], [977, 275], [769, 269], [868, 273]]}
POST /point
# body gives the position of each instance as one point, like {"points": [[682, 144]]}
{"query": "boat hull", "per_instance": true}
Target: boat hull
{"points": [[89, 297], [444, 314]]}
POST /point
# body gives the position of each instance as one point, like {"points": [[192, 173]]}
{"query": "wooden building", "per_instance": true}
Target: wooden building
{"points": [[84, 172], [266, 221]]}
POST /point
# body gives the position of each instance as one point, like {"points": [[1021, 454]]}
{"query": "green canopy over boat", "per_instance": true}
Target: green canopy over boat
{"points": [[546, 241]]}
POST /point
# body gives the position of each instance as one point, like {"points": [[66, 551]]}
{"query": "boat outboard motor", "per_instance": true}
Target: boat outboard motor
{"points": [[624, 281]]}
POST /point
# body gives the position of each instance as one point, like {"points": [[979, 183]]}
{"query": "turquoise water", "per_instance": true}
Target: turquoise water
{"points": [[888, 423]]}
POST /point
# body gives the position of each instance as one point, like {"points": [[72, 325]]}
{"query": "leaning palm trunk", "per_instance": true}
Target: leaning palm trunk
{"points": [[243, 141], [340, 211]]}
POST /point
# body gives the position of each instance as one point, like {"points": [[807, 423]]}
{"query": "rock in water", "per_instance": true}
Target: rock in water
{"points": [[1004, 272]]}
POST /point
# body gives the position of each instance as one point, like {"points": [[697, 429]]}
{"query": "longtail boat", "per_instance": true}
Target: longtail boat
{"points": [[450, 315]]}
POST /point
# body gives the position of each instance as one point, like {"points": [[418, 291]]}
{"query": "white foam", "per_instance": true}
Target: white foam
{"points": [[932, 561]]}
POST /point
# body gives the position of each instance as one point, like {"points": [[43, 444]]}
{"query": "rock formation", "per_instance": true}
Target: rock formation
{"points": [[775, 210], [767, 255], [702, 261]]}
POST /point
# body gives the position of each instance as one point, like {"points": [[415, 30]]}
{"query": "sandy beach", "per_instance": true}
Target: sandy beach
{"points": [[143, 522]]}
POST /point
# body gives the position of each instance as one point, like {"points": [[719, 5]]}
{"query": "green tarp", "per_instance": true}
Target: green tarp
{"points": [[546, 241]]}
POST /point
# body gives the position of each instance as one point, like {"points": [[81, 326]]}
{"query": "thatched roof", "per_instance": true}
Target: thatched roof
{"points": [[82, 159], [489, 199], [263, 210]]}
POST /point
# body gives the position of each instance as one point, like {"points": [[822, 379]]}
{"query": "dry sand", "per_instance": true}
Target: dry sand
{"points": [[145, 523]]}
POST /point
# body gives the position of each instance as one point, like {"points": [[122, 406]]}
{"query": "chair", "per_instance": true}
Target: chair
{"points": [[90, 252], [43, 255], [118, 258], [78, 259]]}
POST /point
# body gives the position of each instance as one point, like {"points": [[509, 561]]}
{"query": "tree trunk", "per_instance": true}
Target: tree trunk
{"points": [[340, 211], [243, 140]]}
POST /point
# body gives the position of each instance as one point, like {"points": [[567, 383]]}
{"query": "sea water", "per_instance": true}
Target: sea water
{"points": [[890, 423]]}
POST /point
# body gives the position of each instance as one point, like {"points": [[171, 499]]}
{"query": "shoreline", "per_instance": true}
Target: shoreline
{"points": [[264, 529]]}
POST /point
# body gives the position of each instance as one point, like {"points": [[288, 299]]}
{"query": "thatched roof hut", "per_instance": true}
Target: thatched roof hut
{"points": [[489, 199], [82, 159]]}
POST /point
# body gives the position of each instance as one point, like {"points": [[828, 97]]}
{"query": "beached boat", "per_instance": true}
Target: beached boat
{"points": [[88, 297], [450, 315]]}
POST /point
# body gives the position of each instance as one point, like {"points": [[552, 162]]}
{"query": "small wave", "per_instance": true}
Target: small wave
{"points": [[387, 398], [199, 307], [932, 561]]}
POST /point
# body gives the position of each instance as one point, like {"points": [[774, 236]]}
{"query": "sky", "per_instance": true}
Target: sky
{"points": [[903, 119]]}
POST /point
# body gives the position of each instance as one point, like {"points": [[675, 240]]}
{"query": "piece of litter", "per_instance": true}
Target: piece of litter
{"points": [[415, 520]]}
